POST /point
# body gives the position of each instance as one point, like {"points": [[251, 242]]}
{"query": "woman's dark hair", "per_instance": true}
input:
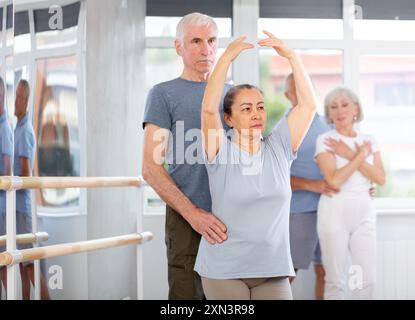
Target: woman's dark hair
{"points": [[231, 95]]}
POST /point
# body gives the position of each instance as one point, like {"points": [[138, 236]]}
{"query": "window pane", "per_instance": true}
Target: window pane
{"points": [[10, 88], [162, 65], [51, 36], [314, 9], [386, 10], [166, 26], [325, 68], [302, 28], [1, 27], [179, 8], [387, 89], [21, 23], [9, 25], [22, 43], [9, 37], [56, 38], [384, 30], [57, 127]]}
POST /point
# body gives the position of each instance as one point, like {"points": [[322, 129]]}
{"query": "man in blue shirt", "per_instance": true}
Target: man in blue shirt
{"points": [[23, 161], [307, 185], [6, 149]]}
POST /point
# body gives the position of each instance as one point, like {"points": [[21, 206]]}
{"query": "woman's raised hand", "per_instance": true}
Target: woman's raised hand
{"points": [[277, 44], [236, 47]]}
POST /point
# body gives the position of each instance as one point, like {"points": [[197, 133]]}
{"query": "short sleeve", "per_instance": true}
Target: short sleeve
{"points": [[25, 145], [7, 144], [320, 145], [280, 139], [221, 156], [157, 109]]}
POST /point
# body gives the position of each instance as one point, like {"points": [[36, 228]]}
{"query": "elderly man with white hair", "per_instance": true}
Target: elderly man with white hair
{"points": [[174, 108]]}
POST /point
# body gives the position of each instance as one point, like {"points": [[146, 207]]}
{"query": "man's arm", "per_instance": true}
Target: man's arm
{"points": [[155, 145], [25, 167], [317, 186], [7, 165]]}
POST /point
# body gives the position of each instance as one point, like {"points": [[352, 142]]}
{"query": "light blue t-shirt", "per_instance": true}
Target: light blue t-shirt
{"points": [[176, 105], [251, 196], [305, 167], [24, 146], [6, 149]]}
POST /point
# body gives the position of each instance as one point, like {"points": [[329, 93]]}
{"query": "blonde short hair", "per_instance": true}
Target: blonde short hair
{"points": [[333, 94]]}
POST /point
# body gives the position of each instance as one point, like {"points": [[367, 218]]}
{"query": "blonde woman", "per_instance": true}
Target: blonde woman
{"points": [[349, 160]]}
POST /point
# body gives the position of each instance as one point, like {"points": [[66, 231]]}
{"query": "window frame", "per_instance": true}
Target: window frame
{"points": [[30, 58]]}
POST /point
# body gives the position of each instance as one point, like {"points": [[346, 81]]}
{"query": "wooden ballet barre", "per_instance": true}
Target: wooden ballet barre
{"points": [[19, 256], [16, 183], [27, 238]]}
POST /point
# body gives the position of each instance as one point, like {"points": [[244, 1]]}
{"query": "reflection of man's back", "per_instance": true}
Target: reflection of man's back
{"points": [[54, 152]]}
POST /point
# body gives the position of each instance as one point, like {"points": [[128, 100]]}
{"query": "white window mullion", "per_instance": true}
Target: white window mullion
{"points": [[32, 30], [245, 22], [81, 72], [385, 47], [31, 61], [350, 60]]}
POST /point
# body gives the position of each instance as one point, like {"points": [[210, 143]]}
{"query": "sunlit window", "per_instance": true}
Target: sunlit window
{"points": [[166, 26], [325, 68], [387, 89], [57, 126], [22, 41], [384, 30], [302, 28], [9, 82], [48, 38]]}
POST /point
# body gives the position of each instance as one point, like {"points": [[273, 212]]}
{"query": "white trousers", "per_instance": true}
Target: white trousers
{"points": [[346, 224]]}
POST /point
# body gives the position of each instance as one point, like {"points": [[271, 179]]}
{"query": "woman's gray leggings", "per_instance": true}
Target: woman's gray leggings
{"points": [[277, 288]]}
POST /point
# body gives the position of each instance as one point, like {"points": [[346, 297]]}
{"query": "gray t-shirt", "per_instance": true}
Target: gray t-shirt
{"points": [[251, 196], [176, 105], [24, 147]]}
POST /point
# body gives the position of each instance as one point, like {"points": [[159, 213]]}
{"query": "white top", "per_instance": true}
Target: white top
{"points": [[357, 181]]}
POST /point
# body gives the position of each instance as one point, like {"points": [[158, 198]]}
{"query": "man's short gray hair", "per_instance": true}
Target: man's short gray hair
{"points": [[194, 19], [26, 87], [333, 94]]}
